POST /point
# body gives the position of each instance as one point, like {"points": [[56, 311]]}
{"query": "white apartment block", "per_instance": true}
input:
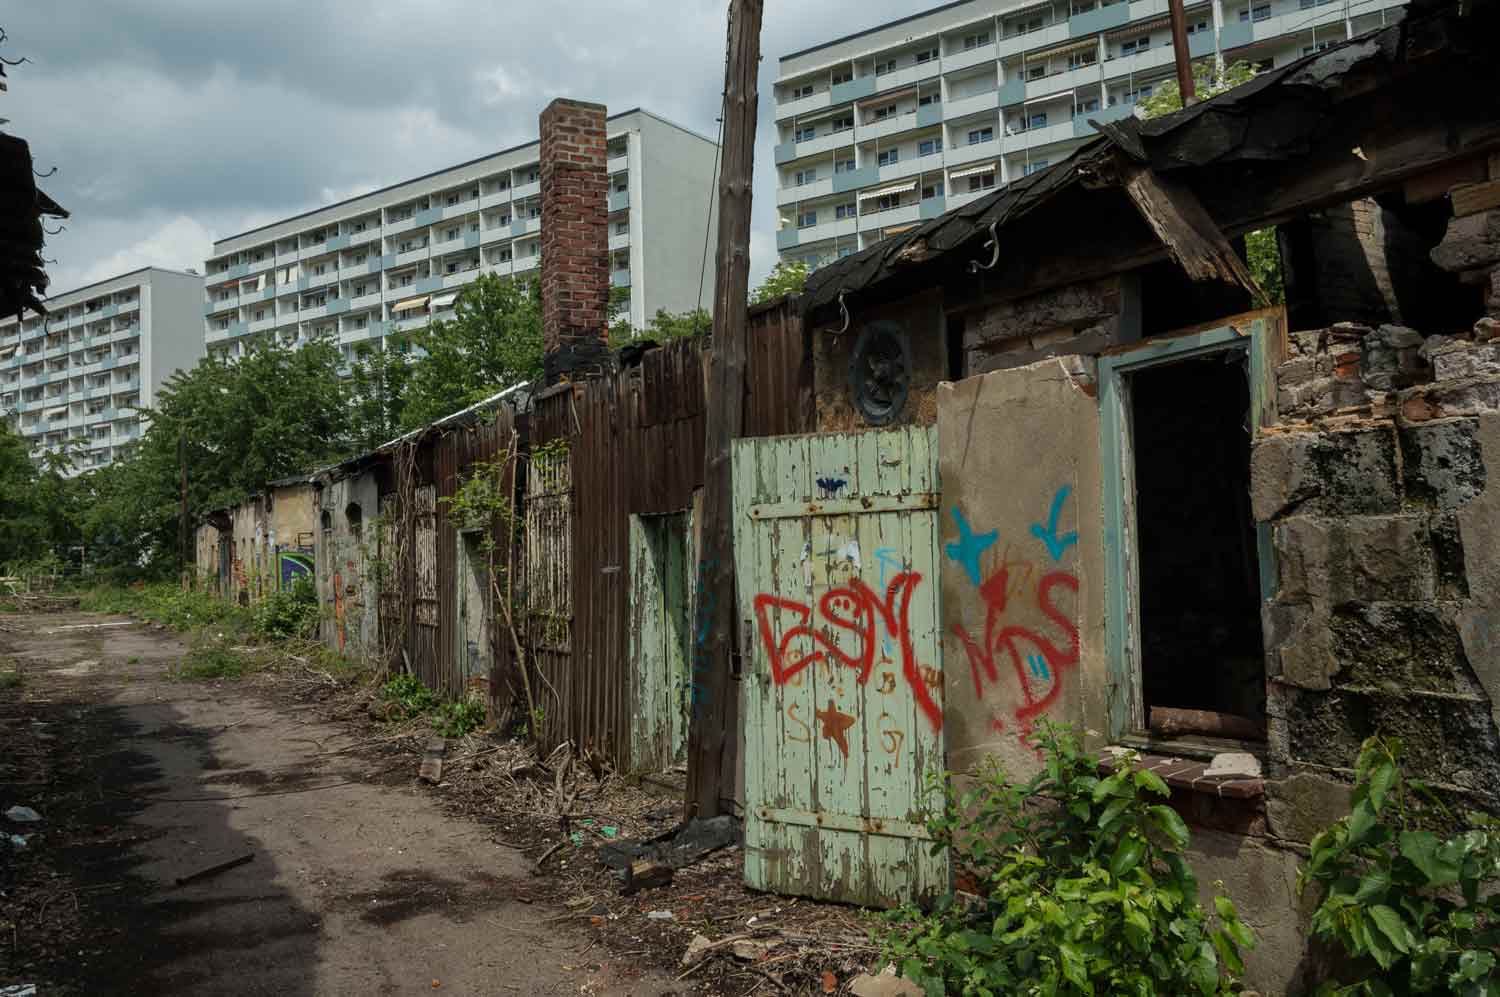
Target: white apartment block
{"points": [[393, 260], [80, 377], [882, 129]]}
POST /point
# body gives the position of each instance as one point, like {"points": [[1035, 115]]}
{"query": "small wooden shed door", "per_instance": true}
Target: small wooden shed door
{"points": [[661, 623], [836, 568]]}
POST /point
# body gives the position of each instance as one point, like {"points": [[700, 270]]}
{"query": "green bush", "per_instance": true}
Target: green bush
{"points": [[1418, 913], [458, 718], [1085, 889], [407, 696], [213, 656], [165, 603], [291, 612]]}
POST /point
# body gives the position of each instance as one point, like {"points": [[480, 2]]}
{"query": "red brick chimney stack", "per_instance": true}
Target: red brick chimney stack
{"points": [[575, 239]]}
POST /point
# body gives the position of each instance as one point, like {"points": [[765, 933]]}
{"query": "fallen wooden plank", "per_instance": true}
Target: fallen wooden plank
{"points": [[1170, 722], [214, 870], [1470, 199]]}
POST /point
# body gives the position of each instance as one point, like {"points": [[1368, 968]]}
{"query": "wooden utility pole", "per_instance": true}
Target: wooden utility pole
{"points": [[1180, 53], [182, 512], [711, 732]]}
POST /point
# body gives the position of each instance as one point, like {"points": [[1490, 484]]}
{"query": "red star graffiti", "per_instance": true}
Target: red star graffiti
{"points": [[835, 726]]}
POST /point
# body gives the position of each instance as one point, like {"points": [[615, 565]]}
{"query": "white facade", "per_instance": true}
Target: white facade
{"points": [[79, 377], [882, 129], [393, 260]]}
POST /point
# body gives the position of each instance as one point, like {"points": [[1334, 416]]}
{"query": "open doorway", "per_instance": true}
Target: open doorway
{"points": [[1197, 565], [473, 644]]}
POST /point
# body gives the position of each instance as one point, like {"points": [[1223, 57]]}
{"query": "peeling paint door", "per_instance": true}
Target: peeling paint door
{"points": [[836, 568], [660, 628], [425, 603]]}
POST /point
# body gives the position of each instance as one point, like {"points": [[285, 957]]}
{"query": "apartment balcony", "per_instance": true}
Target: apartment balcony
{"points": [[426, 285], [965, 58], [525, 226], [804, 105], [1123, 67], [501, 268], [459, 279], [408, 324], [233, 273], [1099, 19], [365, 301], [525, 263], [356, 271], [368, 235], [98, 391], [906, 77], [1035, 138], [261, 266], [454, 245], [303, 315], [619, 200], [910, 167], [832, 229], [618, 164], [131, 384], [905, 214], [264, 294], [1294, 19], [802, 192], [1052, 34], [56, 351], [521, 192], [620, 278], [337, 306], [855, 179], [619, 241], [1082, 128], [958, 107], [261, 325], [467, 206], [959, 155], [412, 256], [931, 207], [788, 151], [1091, 75], [894, 125], [860, 86]]}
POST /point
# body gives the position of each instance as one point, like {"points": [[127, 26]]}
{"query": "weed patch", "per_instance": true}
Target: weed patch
{"points": [[164, 603], [458, 719], [12, 677]]}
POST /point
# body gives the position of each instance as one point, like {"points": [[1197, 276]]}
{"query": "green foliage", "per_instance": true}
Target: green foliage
{"points": [[1418, 912], [1263, 256], [1085, 889], [11, 677], [167, 604], [378, 382], [408, 696], [458, 718], [483, 500], [664, 327], [37, 508], [786, 277], [493, 341], [213, 656], [1167, 97], [291, 612]]}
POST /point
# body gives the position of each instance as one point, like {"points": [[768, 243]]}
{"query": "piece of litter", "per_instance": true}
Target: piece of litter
{"points": [[609, 832], [19, 990], [23, 815], [662, 915], [18, 840]]}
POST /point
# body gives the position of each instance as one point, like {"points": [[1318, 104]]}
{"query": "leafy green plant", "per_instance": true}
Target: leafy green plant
{"points": [[214, 656], [1084, 889], [458, 718], [408, 696], [290, 612], [12, 677], [165, 603], [1418, 913]]}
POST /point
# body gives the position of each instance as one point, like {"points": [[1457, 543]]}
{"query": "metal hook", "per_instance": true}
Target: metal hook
{"points": [[60, 230], [994, 246], [44, 175], [845, 310]]}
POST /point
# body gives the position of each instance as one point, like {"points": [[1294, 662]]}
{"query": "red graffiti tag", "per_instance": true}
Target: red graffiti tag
{"points": [[998, 637], [858, 609]]}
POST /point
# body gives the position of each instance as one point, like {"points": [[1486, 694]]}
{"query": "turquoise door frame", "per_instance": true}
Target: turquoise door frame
{"points": [[1258, 335]]}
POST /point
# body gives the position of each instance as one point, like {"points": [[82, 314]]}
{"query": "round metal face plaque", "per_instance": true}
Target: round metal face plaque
{"points": [[880, 371]]}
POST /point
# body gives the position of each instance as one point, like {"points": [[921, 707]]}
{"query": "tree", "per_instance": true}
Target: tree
{"points": [[493, 341], [378, 382], [1262, 254], [786, 277], [24, 529], [664, 327]]}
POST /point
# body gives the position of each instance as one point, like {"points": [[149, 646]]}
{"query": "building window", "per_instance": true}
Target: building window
{"points": [[929, 98], [841, 76], [1035, 166], [979, 135], [805, 177], [1038, 120], [932, 190], [806, 90], [807, 219], [843, 123], [1259, 12], [1080, 59], [981, 181], [886, 202], [881, 113], [976, 40], [843, 211], [806, 134], [845, 251], [1315, 47], [1196, 27], [928, 147], [1135, 45], [1082, 8], [888, 66], [927, 55], [887, 157], [1036, 72], [1086, 106]]}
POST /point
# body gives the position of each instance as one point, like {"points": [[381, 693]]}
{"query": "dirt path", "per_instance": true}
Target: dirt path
{"points": [[358, 885]]}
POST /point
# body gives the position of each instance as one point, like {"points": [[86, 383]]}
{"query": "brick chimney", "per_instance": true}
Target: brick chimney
{"points": [[575, 240]]}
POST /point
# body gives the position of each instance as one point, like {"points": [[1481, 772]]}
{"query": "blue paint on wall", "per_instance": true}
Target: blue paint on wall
{"points": [[1056, 545], [968, 548]]}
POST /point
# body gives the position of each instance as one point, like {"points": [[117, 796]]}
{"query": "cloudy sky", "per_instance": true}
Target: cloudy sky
{"points": [[175, 122]]}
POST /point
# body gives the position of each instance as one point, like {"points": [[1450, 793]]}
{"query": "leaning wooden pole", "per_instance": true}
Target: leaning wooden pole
{"points": [[1180, 53], [711, 733]]}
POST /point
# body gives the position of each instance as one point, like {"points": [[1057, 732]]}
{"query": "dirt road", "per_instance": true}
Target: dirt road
{"points": [[357, 885]]}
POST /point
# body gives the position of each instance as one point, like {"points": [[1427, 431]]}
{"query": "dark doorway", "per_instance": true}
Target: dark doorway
{"points": [[1199, 575]]}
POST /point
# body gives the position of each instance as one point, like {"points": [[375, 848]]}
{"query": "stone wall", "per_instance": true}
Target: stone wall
{"points": [[1381, 488]]}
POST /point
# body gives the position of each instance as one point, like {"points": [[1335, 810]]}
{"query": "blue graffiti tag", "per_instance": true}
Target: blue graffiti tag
{"points": [[968, 548], [699, 693], [888, 559], [1056, 545], [831, 486], [1038, 666]]}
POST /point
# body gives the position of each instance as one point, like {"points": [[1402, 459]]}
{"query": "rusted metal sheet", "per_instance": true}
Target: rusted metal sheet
{"points": [[843, 701]]}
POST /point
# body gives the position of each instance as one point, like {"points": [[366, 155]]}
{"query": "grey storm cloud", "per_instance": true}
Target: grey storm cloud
{"points": [[175, 122]]}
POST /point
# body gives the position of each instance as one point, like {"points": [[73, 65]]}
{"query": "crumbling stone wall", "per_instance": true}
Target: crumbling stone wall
{"points": [[1381, 489]]}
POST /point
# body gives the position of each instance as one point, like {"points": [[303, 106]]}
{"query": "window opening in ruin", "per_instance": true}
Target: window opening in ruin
{"points": [[1198, 572]]}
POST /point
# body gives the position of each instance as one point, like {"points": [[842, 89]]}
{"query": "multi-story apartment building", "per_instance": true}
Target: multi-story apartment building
{"points": [[394, 259], [80, 376], [881, 129]]}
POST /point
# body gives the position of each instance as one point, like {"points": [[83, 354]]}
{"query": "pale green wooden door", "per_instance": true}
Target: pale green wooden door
{"points": [[836, 567]]}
